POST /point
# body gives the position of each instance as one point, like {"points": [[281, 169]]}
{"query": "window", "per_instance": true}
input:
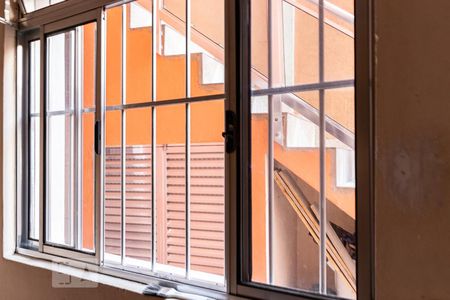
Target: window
{"points": [[300, 220], [32, 5], [164, 153], [161, 142]]}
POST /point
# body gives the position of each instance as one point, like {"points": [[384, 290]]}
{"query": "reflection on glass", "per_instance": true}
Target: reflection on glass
{"points": [[86, 34], [60, 72], [70, 117], [138, 182], [60, 197], [207, 193], [207, 47], [139, 52], [171, 188], [32, 5], [285, 147], [88, 175], [35, 76], [259, 43], [114, 19], [171, 59], [340, 192], [34, 139]]}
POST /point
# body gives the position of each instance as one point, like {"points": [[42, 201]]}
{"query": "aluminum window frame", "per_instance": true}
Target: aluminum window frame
{"points": [[240, 206], [236, 81], [67, 22], [41, 34], [156, 269]]}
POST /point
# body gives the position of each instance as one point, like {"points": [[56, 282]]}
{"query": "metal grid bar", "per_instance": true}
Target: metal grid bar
{"points": [[270, 166], [123, 136], [166, 102], [60, 113], [78, 211], [188, 137], [305, 87], [155, 9], [100, 92], [323, 199]]}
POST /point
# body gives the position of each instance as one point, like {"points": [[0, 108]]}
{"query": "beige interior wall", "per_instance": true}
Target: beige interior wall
{"points": [[412, 104]]}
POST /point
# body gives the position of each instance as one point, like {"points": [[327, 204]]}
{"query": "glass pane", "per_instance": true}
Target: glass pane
{"points": [[260, 147], [32, 5], [207, 47], [259, 44], [339, 19], [114, 56], [60, 72], [301, 42], [285, 202], [88, 181], [34, 177], [70, 138], [171, 188], [340, 193], [171, 57], [86, 34], [60, 180], [285, 250], [139, 52], [35, 76], [138, 194], [207, 197], [339, 54], [113, 186]]}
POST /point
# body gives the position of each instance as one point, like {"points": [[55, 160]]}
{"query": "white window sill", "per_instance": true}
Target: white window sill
{"points": [[79, 273], [109, 280]]}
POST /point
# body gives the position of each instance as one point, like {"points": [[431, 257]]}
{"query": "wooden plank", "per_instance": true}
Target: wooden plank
{"points": [[304, 212]]}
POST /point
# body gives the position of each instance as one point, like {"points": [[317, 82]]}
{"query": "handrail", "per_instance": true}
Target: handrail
{"points": [[311, 113], [336, 10]]}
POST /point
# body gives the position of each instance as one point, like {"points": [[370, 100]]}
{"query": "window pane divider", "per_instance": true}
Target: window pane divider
{"points": [[188, 139], [323, 200], [124, 136], [155, 43], [324, 85], [156, 103], [42, 158]]}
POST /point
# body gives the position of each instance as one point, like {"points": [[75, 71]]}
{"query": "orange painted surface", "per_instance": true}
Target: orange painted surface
{"points": [[88, 136], [259, 190], [171, 85], [304, 163], [171, 119]]}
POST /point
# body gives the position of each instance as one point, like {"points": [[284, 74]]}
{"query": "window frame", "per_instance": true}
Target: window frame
{"points": [[41, 34], [237, 85], [240, 207]]}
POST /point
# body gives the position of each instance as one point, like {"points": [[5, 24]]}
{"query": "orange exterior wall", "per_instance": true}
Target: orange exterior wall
{"points": [[88, 136], [304, 163], [171, 85]]}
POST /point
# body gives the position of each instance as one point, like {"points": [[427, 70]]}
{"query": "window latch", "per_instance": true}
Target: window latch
{"points": [[230, 131], [98, 138]]}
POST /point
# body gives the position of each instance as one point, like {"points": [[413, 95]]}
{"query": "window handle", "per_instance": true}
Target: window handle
{"points": [[97, 137], [230, 131]]}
